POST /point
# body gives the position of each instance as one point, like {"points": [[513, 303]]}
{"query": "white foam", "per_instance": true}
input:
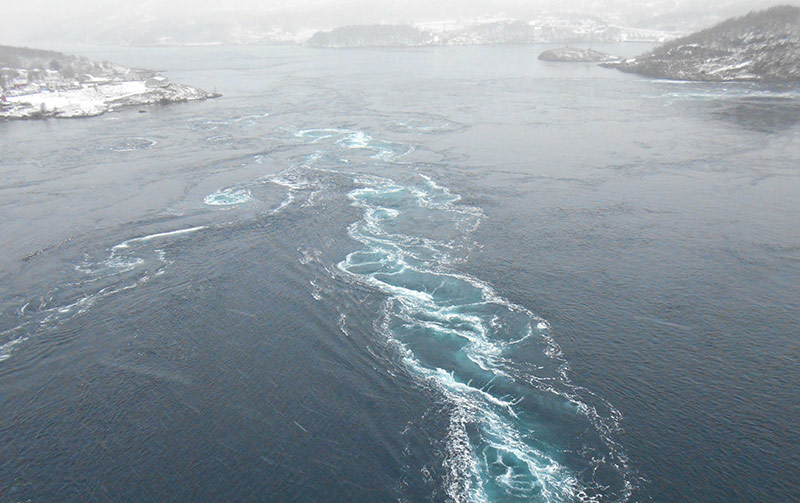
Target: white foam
{"points": [[251, 118], [357, 139], [123, 264], [228, 197], [472, 406], [159, 235], [343, 324], [6, 349], [320, 134]]}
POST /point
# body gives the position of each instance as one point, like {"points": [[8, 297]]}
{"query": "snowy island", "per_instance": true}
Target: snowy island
{"points": [[39, 84], [575, 55], [762, 46]]}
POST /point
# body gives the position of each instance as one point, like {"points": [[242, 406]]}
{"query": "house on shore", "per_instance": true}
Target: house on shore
{"points": [[157, 81]]}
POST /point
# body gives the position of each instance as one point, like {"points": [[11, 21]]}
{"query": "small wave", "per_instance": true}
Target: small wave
{"points": [[424, 125], [252, 118], [382, 150], [353, 140], [319, 134], [112, 265], [297, 184], [228, 197], [200, 124], [356, 139], [133, 144], [128, 265], [222, 138], [6, 348]]}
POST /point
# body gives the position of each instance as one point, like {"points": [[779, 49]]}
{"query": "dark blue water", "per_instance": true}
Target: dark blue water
{"points": [[452, 274]]}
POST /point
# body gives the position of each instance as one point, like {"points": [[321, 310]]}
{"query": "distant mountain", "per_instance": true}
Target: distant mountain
{"points": [[150, 22], [37, 83], [760, 46], [570, 29], [372, 36], [546, 29], [492, 32]]}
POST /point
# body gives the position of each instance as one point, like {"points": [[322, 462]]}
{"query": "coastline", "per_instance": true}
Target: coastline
{"points": [[91, 100]]}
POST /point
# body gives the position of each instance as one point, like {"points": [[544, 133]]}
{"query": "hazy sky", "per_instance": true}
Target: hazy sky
{"points": [[71, 21]]}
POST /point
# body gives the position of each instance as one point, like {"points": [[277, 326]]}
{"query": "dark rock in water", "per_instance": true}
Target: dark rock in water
{"points": [[142, 111], [761, 46], [576, 55]]}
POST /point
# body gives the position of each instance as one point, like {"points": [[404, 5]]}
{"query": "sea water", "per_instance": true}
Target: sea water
{"points": [[451, 274]]}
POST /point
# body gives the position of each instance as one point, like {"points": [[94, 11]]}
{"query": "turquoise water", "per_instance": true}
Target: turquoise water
{"points": [[416, 275]]}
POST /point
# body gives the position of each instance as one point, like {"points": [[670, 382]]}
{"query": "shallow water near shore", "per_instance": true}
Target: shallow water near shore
{"points": [[440, 274]]}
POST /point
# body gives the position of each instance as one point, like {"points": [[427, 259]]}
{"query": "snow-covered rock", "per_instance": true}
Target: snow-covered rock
{"points": [[761, 46]]}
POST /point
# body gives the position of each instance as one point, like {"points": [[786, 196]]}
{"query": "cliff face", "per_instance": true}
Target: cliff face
{"points": [[761, 46]]}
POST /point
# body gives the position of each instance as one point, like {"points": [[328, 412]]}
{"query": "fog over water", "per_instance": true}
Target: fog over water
{"points": [[42, 21]]}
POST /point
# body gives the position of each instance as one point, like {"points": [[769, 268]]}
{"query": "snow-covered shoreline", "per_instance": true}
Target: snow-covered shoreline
{"points": [[37, 84], [762, 46], [90, 100]]}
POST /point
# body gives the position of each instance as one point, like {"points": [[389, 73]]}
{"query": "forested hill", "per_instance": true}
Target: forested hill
{"points": [[32, 65], [760, 46]]}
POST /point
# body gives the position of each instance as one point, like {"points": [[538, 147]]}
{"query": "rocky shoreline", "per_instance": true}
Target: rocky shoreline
{"points": [[96, 100], [575, 55]]}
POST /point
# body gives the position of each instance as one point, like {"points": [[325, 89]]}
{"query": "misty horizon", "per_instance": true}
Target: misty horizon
{"points": [[39, 23]]}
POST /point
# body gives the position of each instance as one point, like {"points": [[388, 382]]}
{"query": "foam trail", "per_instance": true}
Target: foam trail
{"points": [[150, 237], [128, 265], [5, 349], [455, 333], [317, 135]]}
